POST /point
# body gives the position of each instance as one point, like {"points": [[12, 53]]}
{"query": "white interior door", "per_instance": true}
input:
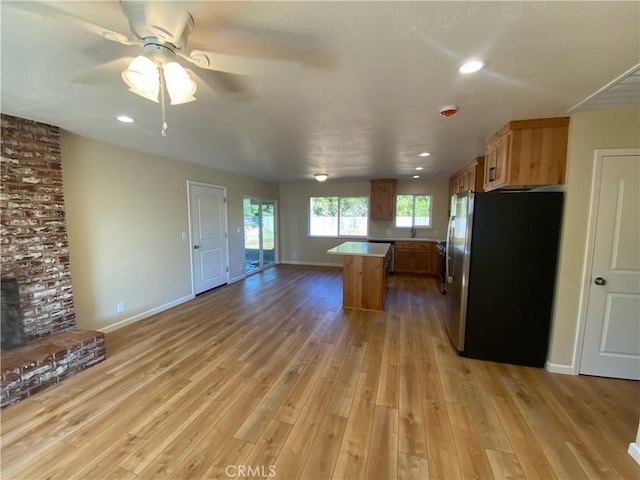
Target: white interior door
{"points": [[208, 216], [611, 345]]}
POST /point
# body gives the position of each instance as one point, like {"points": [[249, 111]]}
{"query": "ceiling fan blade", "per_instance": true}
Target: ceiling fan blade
{"points": [[255, 67], [223, 83], [102, 73], [262, 43], [50, 12]]}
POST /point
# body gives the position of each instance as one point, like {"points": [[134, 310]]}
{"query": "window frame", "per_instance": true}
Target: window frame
{"points": [[413, 210], [339, 234]]}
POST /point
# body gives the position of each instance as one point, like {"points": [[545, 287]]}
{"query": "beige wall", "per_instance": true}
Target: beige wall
{"points": [[588, 131], [298, 247], [126, 212]]}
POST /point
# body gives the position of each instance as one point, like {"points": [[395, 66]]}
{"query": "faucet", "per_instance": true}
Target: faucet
{"points": [[413, 232]]}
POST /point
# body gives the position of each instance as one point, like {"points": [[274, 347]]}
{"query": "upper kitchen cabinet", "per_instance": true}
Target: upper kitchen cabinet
{"points": [[527, 153], [468, 178], [381, 203]]}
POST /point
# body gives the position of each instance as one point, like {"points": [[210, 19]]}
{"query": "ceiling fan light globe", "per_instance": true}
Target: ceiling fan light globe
{"points": [[179, 85], [142, 77], [139, 83]]}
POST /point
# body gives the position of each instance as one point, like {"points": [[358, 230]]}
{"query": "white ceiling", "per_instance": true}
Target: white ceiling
{"points": [[367, 113]]}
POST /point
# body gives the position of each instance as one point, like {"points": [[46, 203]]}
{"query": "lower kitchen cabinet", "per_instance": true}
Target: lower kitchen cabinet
{"points": [[416, 257]]}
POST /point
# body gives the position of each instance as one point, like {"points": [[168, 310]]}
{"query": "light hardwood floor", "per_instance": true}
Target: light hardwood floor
{"points": [[270, 373]]}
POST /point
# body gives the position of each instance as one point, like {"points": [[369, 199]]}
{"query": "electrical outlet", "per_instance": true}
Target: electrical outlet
{"points": [[120, 307]]}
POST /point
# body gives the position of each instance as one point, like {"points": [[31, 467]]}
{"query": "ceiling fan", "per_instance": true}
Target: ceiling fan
{"points": [[161, 31]]}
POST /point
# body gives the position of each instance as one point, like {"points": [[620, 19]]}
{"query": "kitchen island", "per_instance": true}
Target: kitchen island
{"points": [[365, 267]]}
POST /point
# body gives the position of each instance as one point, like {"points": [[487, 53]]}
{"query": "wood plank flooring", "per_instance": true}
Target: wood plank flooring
{"points": [[271, 378]]}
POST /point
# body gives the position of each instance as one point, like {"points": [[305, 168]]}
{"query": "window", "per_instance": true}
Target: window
{"points": [[413, 211], [338, 216]]}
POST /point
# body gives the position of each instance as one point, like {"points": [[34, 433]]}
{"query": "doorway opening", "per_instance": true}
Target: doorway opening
{"points": [[259, 234]]}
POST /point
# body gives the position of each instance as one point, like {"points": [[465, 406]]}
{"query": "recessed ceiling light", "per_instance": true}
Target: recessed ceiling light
{"points": [[321, 177], [424, 154], [416, 176], [471, 66], [125, 119], [419, 168]]}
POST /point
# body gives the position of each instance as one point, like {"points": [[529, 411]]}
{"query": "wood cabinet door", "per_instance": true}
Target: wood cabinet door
{"points": [[455, 182], [496, 163], [502, 159], [433, 261], [421, 261], [471, 179], [478, 175], [382, 199], [403, 261], [490, 165]]}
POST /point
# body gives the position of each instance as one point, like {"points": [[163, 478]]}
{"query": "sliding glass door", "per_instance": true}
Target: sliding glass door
{"points": [[268, 223], [259, 234]]}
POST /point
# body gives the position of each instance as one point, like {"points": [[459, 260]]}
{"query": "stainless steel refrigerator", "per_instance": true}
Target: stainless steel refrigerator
{"points": [[501, 258]]}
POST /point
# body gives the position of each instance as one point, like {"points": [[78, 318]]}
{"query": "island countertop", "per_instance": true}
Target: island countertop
{"points": [[365, 249], [406, 239]]}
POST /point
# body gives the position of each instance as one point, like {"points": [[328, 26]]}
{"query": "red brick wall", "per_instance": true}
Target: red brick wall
{"points": [[34, 245]]}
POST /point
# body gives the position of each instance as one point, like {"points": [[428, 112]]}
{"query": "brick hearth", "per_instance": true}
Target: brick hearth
{"points": [[29, 369], [34, 251]]}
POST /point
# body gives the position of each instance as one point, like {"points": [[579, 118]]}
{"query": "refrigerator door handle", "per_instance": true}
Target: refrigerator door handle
{"points": [[449, 253]]}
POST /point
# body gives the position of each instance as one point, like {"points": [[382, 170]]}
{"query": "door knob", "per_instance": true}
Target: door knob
{"points": [[600, 281], [196, 247]]}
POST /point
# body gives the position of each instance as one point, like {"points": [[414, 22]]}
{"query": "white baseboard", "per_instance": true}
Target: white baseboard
{"points": [[634, 451], [312, 264], [560, 368], [237, 279], [148, 313]]}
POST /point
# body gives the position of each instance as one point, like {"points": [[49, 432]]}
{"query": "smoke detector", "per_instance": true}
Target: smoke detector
{"points": [[448, 111]]}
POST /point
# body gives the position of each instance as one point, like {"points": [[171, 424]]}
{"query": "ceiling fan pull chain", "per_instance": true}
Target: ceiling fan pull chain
{"points": [[162, 104]]}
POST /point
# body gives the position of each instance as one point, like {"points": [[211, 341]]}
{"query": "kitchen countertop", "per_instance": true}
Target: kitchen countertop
{"points": [[361, 248], [405, 239]]}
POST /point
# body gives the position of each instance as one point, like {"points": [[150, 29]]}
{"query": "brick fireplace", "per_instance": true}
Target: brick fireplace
{"points": [[36, 277]]}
